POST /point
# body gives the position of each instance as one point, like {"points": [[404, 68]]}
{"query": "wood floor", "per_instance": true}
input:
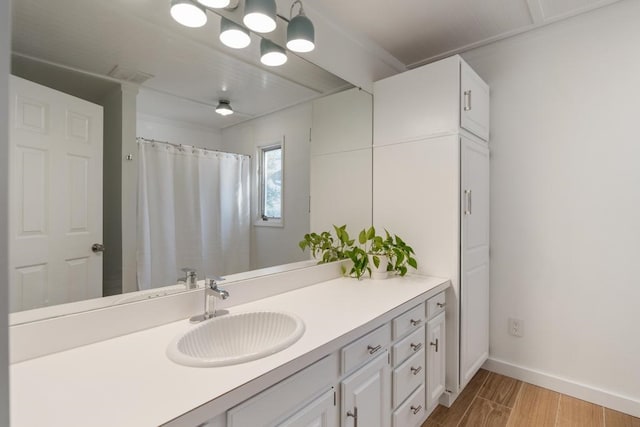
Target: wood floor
{"points": [[494, 400]]}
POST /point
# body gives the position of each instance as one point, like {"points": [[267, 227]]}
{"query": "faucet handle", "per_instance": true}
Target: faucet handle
{"points": [[189, 271], [212, 281]]}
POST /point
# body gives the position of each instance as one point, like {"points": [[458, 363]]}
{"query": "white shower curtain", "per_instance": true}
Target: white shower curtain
{"points": [[193, 211]]}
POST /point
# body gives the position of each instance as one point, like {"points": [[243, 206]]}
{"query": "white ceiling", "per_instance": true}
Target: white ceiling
{"points": [[191, 69], [420, 31]]}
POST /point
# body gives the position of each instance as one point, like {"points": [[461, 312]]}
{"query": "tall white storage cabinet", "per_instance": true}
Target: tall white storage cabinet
{"points": [[431, 186]]}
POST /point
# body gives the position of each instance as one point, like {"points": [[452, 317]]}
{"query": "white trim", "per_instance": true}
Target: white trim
{"points": [[573, 388]]}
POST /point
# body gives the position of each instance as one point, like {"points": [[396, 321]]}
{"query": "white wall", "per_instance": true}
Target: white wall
{"points": [[565, 202], [5, 38], [177, 132], [278, 245]]}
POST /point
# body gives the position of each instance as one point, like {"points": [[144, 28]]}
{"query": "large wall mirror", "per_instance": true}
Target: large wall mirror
{"points": [[124, 177]]}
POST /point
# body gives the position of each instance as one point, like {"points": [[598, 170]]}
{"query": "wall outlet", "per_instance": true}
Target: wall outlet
{"points": [[516, 327]]}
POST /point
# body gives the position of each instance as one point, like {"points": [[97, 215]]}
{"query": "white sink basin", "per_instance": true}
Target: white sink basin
{"points": [[236, 338]]}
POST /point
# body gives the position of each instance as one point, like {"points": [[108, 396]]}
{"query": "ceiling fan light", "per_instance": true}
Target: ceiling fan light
{"points": [[260, 15], [215, 4], [188, 13], [300, 34], [224, 108], [271, 54], [233, 35]]}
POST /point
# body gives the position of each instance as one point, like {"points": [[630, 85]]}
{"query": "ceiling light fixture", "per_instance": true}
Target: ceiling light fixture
{"points": [[260, 15], [233, 35], [224, 107], [271, 54], [300, 32], [215, 4], [188, 13]]}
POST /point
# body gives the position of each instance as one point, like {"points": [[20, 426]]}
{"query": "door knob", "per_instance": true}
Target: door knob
{"points": [[97, 247]]}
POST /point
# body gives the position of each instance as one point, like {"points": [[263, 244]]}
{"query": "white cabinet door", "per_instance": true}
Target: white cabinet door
{"points": [[366, 395], [322, 412], [55, 146], [436, 367], [474, 289], [474, 102]]}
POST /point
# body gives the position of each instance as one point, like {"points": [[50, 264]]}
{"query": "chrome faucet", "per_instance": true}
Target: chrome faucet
{"points": [[190, 279], [211, 293]]}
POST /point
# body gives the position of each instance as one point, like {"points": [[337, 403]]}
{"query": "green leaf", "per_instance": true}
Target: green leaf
{"points": [[412, 262], [376, 261], [362, 237], [371, 233]]}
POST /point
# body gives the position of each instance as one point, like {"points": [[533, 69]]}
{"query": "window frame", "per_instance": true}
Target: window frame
{"points": [[260, 219]]}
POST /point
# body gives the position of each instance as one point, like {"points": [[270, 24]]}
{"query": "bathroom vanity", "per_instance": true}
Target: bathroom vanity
{"points": [[372, 353]]}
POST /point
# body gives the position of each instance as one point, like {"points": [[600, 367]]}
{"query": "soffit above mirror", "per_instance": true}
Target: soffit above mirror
{"points": [[190, 66]]}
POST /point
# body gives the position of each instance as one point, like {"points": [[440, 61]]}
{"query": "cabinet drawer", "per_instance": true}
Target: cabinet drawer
{"points": [[407, 377], [412, 411], [365, 348], [408, 346], [435, 305], [408, 321]]}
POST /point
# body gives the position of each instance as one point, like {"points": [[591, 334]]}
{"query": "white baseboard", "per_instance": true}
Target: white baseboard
{"points": [[562, 385]]}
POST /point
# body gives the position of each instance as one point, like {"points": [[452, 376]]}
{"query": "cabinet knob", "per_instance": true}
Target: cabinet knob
{"points": [[416, 371], [373, 350], [435, 344], [415, 322], [416, 409], [416, 347], [354, 415], [441, 304]]}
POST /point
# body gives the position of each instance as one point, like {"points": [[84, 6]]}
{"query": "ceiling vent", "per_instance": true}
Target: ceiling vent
{"points": [[129, 75]]}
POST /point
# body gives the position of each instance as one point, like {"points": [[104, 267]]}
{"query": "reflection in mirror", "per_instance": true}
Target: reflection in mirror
{"points": [[124, 177]]}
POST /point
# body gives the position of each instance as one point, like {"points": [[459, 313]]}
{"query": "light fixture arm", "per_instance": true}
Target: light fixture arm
{"points": [[301, 12]]}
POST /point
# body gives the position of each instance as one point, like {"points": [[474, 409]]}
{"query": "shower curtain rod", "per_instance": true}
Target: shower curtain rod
{"points": [[181, 146]]}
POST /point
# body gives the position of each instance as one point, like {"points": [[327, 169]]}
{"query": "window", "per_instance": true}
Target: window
{"points": [[270, 174]]}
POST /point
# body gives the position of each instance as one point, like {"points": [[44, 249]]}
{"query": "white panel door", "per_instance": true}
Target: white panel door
{"points": [[55, 146], [474, 285], [436, 362], [366, 395], [474, 102]]}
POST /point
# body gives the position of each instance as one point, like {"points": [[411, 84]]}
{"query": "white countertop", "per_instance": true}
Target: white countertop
{"points": [[129, 381]]}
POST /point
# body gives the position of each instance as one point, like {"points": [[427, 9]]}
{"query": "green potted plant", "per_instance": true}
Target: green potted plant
{"points": [[374, 254], [386, 253]]}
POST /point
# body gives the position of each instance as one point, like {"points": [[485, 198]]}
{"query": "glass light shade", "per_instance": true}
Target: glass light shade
{"points": [[233, 35], [271, 54], [188, 13], [215, 4], [260, 15], [224, 108], [300, 34]]}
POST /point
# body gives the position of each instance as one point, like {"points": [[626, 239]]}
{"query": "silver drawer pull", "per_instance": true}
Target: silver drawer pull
{"points": [[354, 414], [435, 344], [416, 409], [373, 350], [416, 371], [467, 100], [416, 347], [441, 304], [416, 322]]}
